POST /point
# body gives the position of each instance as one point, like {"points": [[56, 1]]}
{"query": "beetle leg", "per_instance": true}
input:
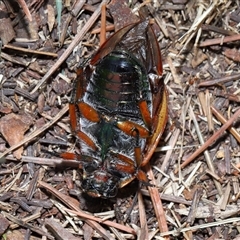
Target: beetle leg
{"points": [[129, 165], [126, 167], [129, 168], [129, 128], [80, 134], [74, 156], [137, 150], [86, 110], [84, 161], [123, 158], [77, 93], [141, 176], [69, 156], [90, 114], [146, 115], [84, 137]]}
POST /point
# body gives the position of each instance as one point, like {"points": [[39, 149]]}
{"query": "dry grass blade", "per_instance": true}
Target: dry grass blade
{"points": [[16, 178], [202, 226], [45, 161], [88, 217], [220, 41], [210, 140], [109, 28], [188, 181], [25, 50], [74, 204], [208, 112], [25, 9], [218, 80], [223, 120], [201, 17], [192, 213], [142, 217], [14, 60], [58, 231], [157, 203], [69, 50], [206, 153], [172, 143], [226, 196], [27, 219]]}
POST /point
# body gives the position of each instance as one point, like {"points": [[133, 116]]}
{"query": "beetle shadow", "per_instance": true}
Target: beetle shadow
{"points": [[94, 205], [128, 190]]}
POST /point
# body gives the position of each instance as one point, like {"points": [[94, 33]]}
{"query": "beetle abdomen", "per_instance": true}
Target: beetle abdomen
{"points": [[117, 84]]}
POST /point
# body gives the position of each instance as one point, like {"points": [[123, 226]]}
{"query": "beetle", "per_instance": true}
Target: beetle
{"points": [[118, 110]]}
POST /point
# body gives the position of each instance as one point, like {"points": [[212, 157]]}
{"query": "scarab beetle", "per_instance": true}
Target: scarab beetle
{"points": [[118, 109]]}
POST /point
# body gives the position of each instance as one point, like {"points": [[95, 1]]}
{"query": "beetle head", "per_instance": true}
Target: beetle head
{"points": [[100, 184]]}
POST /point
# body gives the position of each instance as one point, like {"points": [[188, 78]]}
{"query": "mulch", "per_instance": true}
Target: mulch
{"points": [[195, 169]]}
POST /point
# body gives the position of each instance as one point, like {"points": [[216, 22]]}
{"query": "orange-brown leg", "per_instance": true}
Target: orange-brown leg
{"points": [[80, 158], [124, 165], [77, 93], [88, 112], [129, 128], [140, 175], [69, 156], [129, 166], [75, 125], [145, 113], [85, 109], [74, 156], [136, 130]]}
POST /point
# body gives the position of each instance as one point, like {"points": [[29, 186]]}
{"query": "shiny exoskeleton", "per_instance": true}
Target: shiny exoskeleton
{"points": [[122, 110]]}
